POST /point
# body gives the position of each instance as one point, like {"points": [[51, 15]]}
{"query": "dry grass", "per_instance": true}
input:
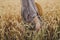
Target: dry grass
{"points": [[11, 24]]}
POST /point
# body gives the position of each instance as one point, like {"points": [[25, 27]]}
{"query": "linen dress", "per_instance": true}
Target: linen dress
{"points": [[29, 10]]}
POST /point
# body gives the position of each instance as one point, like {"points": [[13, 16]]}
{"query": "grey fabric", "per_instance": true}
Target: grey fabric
{"points": [[29, 10]]}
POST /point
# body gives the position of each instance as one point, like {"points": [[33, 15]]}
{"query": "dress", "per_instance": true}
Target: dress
{"points": [[29, 10]]}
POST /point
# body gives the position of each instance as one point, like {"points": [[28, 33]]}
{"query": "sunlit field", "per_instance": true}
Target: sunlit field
{"points": [[12, 27]]}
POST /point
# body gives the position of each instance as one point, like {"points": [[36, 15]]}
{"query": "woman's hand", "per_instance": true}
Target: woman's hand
{"points": [[37, 23]]}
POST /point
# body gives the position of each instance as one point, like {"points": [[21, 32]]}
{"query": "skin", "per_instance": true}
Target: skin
{"points": [[37, 22], [29, 13]]}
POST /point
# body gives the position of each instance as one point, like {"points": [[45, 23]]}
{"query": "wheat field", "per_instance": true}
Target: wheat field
{"points": [[12, 25]]}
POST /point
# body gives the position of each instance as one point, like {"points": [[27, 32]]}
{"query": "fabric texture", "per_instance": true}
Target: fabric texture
{"points": [[29, 10]]}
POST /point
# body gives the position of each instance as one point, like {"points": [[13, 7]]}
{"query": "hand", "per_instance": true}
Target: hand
{"points": [[37, 22]]}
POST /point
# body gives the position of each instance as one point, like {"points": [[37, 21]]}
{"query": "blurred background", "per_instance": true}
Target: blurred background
{"points": [[12, 25]]}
